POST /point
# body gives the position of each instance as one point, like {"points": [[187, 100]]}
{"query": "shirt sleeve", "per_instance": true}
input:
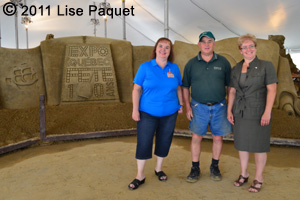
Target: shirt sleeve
{"points": [[228, 73], [140, 75], [178, 74], [233, 79], [271, 76], [186, 81]]}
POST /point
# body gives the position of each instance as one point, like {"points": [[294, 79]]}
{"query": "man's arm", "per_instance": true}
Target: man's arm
{"points": [[186, 98]]}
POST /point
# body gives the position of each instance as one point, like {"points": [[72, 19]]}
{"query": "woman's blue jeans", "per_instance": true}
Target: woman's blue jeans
{"points": [[161, 127]]}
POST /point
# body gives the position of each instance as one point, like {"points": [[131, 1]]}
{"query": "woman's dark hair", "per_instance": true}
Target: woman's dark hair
{"points": [[171, 56]]}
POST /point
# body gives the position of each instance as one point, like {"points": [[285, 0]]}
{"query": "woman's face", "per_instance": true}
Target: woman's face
{"points": [[163, 49], [248, 50]]}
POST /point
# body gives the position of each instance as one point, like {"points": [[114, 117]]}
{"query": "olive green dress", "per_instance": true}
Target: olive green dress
{"points": [[249, 105], [249, 135]]}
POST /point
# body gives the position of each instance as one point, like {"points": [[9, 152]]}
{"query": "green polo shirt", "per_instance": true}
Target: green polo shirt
{"points": [[207, 79]]}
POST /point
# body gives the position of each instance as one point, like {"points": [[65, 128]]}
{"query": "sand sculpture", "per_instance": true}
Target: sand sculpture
{"points": [[80, 70], [279, 39], [88, 74]]}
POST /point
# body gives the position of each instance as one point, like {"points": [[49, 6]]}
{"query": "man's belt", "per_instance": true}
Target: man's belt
{"points": [[210, 104]]}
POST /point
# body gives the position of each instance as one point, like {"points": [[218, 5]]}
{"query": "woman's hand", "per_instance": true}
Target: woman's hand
{"points": [[265, 119], [136, 116], [180, 109]]}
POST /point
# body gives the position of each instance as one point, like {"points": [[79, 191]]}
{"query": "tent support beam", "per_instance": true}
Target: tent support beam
{"points": [[166, 21], [124, 22]]}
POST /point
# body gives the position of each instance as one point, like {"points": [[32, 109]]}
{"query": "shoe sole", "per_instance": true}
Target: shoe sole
{"points": [[190, 180], [215, 178]]}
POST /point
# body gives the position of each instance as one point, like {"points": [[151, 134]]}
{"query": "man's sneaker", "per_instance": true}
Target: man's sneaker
{"points": [[215, 173], [194, 175]]}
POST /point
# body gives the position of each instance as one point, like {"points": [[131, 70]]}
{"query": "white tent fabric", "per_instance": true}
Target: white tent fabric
{"points": [[187, 18]]}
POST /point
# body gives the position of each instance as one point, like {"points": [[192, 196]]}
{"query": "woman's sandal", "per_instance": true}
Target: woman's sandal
{"points": [[256, 185], [160, 175], [136, 183], [239, 183]]}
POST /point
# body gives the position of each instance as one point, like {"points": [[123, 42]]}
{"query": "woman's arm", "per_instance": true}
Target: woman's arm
{"points": [[231, 97], [179, 95], [136, 95], [271, 94]]}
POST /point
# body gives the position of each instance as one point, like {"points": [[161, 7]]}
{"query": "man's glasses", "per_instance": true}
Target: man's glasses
{"points": [[248, 47]]}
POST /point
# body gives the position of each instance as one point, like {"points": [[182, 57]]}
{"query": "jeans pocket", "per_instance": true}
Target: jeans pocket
{"points": [[194, 103]]}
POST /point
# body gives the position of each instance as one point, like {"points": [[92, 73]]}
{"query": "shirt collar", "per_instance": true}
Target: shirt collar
{"points": [[154, 63], [254, 63], [215, 56]]}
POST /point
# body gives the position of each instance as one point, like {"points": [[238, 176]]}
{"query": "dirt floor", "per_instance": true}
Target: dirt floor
{"points": [[19, 125], [102, 169]]}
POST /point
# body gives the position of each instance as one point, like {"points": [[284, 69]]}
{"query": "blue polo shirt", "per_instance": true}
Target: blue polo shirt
{"points": [[159, 97]]}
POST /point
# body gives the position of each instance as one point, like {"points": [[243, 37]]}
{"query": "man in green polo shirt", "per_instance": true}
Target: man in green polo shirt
{"points": [[207, 74]]}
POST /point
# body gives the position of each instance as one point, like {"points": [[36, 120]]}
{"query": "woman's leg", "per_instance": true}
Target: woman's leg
{"points": [[244, 159], [140, 169], [159, 163], [163, 140], [158, 167], [145, 132], [140, 175], [164, 135], [260, 163]]}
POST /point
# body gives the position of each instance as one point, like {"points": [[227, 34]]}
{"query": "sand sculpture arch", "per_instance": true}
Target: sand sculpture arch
{"points": [[231, 60]]}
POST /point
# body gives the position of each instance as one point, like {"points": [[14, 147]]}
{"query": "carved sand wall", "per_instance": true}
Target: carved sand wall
{"points": [[286, 97], [98, 70], [140, 55], [53, 53], [88, 74], [279, 39], [21, 78]]}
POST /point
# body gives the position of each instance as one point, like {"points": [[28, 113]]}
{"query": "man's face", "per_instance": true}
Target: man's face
{"points": [[207, 45]]}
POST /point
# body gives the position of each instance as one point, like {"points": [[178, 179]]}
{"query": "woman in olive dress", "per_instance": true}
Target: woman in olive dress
{"points": [[251, 97]]}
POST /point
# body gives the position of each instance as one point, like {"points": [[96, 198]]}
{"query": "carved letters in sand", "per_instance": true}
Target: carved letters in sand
{"points": [[89, 74]]}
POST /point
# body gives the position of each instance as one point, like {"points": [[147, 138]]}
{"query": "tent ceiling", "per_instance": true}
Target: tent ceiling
{"points": [[187, 19]]}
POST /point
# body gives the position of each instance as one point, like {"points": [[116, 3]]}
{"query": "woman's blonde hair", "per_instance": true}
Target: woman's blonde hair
{"points": [[248, 36]]}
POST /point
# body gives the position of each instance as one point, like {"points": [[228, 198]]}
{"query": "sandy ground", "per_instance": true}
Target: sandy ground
{"points": [[102, 169]]}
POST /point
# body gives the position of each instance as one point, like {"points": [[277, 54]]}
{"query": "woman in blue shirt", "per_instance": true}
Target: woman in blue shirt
{"points": [[156, 99]]}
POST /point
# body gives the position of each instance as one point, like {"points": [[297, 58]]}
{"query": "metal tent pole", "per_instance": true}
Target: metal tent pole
{"points": [[166, 22], [124, 22]]}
